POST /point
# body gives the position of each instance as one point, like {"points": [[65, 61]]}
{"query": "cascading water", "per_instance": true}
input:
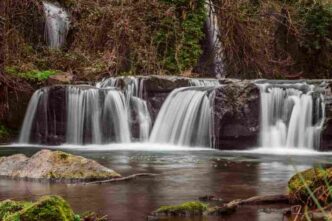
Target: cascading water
{"points": [[90, 109], [291, 116], [203, 82], [213, 37], [38, 98], [56, 25], [184, 118], [84, 115], [137, 107]]}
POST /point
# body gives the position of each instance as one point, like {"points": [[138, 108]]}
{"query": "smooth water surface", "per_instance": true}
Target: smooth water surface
{"points": [[184, 176]]}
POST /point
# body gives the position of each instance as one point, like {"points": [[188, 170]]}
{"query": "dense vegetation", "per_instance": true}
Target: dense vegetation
{"points": [[261, 38]]}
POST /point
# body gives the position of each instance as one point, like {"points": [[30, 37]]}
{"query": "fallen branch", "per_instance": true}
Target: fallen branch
{"points": [[122, 178], [270, 199], [229, 208]]}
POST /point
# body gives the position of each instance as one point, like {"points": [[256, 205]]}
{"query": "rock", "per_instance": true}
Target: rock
{"points": [[54, 166], [61, 78], [156, 90], [326, 135], [317, 180], [236, 114], [226, 209], [46, 208], [186, 209]]}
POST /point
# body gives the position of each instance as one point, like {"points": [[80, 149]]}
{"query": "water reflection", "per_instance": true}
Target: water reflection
{"points": [[184, 176]]}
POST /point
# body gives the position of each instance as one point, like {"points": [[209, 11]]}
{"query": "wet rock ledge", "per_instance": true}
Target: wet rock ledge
{"points": [[54, 166]]}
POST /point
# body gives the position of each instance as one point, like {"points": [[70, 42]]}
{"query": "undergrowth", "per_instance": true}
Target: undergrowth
{"points": [[260, 38]]}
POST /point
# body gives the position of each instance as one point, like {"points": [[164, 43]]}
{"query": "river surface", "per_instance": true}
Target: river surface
{"points": [[185, 175]]}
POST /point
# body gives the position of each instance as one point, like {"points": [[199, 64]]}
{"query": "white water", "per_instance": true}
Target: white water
{"points": [[184, 119], [56, 25], [93, 115], [214, 39], [290, 117], [39, 97], [197, 82], [133, 90], [89, 109]]}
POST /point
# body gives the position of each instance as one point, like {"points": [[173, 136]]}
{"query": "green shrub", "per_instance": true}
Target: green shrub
{"points": [[317, 20], [178, 37], [30, 75]]}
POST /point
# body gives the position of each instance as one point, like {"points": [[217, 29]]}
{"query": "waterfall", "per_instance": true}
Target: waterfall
{"points": [[90, 116], [291, 116], [56, 25], [197, 82], [39, 97], [213, 37], [184, 118], [137, 108]]}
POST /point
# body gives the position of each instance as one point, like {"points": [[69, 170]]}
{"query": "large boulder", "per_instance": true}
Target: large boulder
{"points": [[54, 166], [236, 115]]}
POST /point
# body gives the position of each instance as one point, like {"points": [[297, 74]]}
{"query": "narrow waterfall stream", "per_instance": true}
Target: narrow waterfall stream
{"points": [[292, 116], [56, 25], [213, 38]]}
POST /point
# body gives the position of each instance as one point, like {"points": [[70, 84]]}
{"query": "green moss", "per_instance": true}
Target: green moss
{"points": [[31, 74], [48, 208], [178, 36], [9, 207], [188, 208], [4, 131], [302, 186]]}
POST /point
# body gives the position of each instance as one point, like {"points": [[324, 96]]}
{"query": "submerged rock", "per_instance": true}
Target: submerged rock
{"points": [[185, 209], [55, 166], [46, 208]]}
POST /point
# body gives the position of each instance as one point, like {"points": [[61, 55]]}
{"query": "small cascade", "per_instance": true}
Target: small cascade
{"points": [[40, 97], [87, 112], [184, 118], [197, 82], [138, 113], [78, 119], [56, 25], [292, 116]]}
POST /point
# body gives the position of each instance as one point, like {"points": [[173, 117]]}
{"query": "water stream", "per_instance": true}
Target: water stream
{"points": [[57, 25], [292, 116]]}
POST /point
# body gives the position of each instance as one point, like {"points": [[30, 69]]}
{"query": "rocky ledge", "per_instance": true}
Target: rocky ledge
{"points": [[54, 166]]}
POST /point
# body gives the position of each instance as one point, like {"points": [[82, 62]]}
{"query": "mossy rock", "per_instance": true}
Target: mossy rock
{"points": [[54, 166], [311, 185], [47, 208], [185, 209]]}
